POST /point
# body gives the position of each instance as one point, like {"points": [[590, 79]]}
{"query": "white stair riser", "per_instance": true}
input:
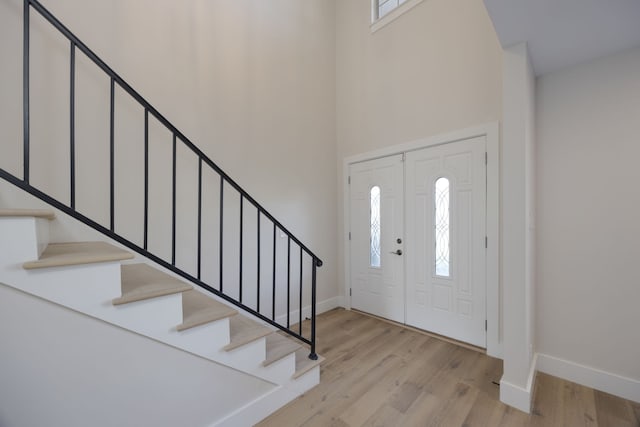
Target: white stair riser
{"points": [[248, 357], [283, 368], [19, 241], [155, 317], [208, 341], [306, 381], [86, 288], [202, 340], [42, 234]]}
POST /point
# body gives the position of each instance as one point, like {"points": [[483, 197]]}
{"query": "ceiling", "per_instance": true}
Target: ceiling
{"points": [[561, 33]]}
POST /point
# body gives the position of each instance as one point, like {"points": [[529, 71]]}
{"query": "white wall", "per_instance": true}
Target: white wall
{"points": [[589, 205], [62, 368], [252, 83], [518, 220], [436, 69]]}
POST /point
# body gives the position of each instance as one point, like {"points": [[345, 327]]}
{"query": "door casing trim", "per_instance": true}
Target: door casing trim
{"points": [[491, 131]]}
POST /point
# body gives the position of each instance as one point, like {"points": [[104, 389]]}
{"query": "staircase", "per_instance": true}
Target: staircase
{"points": [[102, 280], [176, 256]]}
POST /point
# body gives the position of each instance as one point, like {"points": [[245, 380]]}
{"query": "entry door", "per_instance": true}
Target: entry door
{"points": [[445, 245], [376, 193]]}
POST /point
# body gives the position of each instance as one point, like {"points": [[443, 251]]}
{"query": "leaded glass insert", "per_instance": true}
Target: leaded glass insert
{"points": [[374, 238], [441, 225]]}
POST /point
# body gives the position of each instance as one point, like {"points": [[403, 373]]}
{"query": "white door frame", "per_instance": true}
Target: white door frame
{"points": [[491, 131]]}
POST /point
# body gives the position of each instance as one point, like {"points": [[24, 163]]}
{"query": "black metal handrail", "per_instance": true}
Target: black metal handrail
{"points": [[203, 160]]}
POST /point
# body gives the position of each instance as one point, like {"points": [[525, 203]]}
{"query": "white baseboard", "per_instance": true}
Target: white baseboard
{"points": [[520, 397], [328, 304], [321, 307], [627, 388], [253, 412]]}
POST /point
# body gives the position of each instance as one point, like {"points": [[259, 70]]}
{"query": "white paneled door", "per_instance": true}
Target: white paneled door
{"points": [[376, 237], [446, 193], [418, 239]]}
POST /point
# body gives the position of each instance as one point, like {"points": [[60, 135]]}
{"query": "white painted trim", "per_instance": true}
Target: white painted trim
{"points": [[516, 396], [627, 388], [418, 144], [376, 24], [491, 131], [265, 405], [321, 307], [494, 291], [258, 409], [346, 225]]}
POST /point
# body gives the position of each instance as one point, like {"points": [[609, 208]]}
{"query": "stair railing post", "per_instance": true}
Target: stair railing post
{"points": [[316, 263], [25, 91]]}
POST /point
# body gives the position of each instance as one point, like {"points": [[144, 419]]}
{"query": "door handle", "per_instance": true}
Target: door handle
{"points": [[398, 252]]}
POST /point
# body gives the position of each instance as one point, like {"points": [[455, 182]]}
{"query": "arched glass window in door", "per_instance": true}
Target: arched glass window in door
{"points": [[442, 228], [374, 230]]}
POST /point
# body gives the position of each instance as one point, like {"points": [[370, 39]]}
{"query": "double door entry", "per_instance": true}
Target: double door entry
{"points": [[417, 247]]}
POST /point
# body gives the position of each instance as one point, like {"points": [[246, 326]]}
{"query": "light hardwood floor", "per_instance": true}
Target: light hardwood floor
{"points": [[379, 374]]}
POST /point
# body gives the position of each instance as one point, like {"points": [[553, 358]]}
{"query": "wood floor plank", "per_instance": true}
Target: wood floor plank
{"points": [[547, 407], [333, 394], [456, 408], [636, 410], [485, 412], [374, 396], [579, 405], [613, 411], [404, 397], [425, 406], [380, 374], [515, 418], [384, 416], [485, 374], [390, 385], [351, 397]]}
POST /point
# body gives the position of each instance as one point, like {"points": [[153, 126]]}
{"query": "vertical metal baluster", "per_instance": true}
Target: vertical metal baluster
{"points": [[221, 228], [273, 297], [288, 281], [173, 205], [25, 92], [241, 244], [72, 125], [146, 177], [199, 218], [300, 305], [313, 355], [258, 270], [112, 179]]}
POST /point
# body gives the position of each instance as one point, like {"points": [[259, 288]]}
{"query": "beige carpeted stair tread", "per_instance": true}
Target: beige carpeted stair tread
{"points": [[36, 213], [279, 346], [303, 363], [61, 254], [244, 330], [198, 309], [142, 281]]}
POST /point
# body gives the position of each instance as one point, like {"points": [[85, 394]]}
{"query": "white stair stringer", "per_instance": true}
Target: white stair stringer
{"points": [[250, 414], [80, 371], [91, 288]]}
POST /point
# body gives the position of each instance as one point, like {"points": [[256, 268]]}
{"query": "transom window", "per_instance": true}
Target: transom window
{"points": [[385, 11], [386, 6]]}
